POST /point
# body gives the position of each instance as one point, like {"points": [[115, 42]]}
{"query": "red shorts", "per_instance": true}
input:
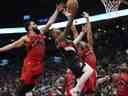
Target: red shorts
{"points": [[90, 85], [31, 72]]}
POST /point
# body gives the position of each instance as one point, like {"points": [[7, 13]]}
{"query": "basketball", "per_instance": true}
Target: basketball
{"points": [[72, 6]]}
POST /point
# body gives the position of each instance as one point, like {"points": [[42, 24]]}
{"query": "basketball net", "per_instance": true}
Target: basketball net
{"points": [[111, 5]]}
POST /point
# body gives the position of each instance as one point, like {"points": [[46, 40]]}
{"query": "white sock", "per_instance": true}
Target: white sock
{"points": [[85, 76]]}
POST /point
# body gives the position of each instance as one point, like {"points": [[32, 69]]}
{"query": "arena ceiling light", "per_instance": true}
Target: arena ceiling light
{"points": [[79, 21]]}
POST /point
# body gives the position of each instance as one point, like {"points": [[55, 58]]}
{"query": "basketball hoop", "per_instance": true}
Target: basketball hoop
{"points": [[111, 5]]}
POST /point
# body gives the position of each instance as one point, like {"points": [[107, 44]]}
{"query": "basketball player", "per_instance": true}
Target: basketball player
{"points": [[86, 52], [72, 61], [120, 80], [34, 61]]}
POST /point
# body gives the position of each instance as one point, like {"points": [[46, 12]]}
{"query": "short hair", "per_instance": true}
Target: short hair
{"points": [[81, 44], [27, 23]]}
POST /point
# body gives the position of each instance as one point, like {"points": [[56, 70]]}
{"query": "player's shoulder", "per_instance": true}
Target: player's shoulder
{"points": [[24, 37]]}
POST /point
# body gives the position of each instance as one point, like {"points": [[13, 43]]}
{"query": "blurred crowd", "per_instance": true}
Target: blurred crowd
{"points": [[7, 82]]}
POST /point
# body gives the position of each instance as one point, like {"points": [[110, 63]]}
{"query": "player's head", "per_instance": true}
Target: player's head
{"points": [[81, 44], [124, 67], [55, 33], [31, 26]]}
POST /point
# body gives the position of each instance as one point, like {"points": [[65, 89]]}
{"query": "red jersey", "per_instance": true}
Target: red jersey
{"points": [[122, 85], [90, 58], [35, 47], [33, 62]]}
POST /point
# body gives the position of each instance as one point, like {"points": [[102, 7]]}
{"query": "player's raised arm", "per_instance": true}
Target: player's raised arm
{"points": [[52, 19], [88, 30]]}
